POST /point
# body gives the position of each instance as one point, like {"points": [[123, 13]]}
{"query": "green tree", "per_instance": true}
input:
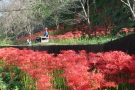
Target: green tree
{"points": [[63, 11], [15, 20], [131, 5]]}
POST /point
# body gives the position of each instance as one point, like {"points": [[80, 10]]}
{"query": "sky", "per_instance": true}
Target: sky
{"points": [[2, 2], [0, 14]]}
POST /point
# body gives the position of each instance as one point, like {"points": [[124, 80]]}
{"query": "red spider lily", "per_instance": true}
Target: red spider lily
{"points": [[3, 74], [109, 84], [86, 35], [131, 81], [70, 29], [86, 27], [101, 29], [82, 71], [108, 32], [102, 32], [113, 63], [98, 11], [109, 27], [30, 86], [73, 73], [22, 58], [110, 66], [131, 29], [75, 67], [125, 30], [116, 7], [61, 27], [44, 83], [132, 75], [130, 69], [118, 34], [63, 36], [12, 75]]}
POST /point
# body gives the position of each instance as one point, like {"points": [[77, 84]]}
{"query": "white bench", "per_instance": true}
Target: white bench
{"points": [[44, 39]]}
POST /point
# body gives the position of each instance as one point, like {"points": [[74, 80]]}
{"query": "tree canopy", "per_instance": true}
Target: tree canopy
{"points": [[24, 17]]}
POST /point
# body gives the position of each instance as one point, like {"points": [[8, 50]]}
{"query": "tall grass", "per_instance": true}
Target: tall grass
{"points": [[94, 40], [12, 78], [58, 81]]}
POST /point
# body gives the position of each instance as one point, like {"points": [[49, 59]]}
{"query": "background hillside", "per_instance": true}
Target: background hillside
{"points": [[27, 17]]}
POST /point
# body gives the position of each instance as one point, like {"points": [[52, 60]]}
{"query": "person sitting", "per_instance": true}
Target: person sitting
{"points": [[46, 34], [44, 37], [38, 39], [28, 42]]}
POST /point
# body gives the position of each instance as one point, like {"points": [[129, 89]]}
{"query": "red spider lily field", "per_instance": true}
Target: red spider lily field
{"points": [[79, 35], [69, 70], [89, 45]]}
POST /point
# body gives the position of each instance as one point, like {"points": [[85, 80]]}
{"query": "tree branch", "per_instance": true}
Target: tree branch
{"points": [[125, 3], [13, 10]]}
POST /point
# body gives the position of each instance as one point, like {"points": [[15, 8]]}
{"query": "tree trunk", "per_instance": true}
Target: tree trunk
{"points": [[134, 9], [88, 14], [57, 23]]}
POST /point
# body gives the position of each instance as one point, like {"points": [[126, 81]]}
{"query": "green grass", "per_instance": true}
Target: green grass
{"points": [[20, 80], [5, 43], [3, 85], [58, 81], [70, 41]]}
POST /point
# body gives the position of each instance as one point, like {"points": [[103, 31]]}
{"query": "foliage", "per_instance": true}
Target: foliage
{"points": [[10, 76], [58, 80], [5, 41], [13, 78], [108, 14]]}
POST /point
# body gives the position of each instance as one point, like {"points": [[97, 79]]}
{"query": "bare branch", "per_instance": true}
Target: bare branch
{"points": [[14, 10], [125, 3]]}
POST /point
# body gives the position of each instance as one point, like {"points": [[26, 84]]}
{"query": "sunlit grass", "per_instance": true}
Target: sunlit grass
{"points": [[82, 40], [71, 41], [5, 43]]}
